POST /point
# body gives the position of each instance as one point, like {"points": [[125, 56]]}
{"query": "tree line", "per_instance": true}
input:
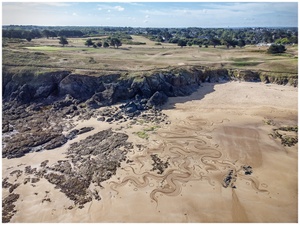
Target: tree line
{"points": [[36, 33], [180, 36]]}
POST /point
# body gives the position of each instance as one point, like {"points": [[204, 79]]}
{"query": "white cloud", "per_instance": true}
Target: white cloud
{"points": [[100, 8], [147, 16], [74, 14], [119, 8], [58, 4], [108, 11], [145, 21]]}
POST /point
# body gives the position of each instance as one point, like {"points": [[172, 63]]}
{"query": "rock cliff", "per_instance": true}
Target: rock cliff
{"points": [[49, 88]]}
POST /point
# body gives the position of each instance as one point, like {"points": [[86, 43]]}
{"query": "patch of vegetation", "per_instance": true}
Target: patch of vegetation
{"points": [[151, 128], [142, 134]]}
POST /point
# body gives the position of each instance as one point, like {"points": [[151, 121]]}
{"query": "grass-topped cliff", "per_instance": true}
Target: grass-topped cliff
{"points": [[46, 55]]}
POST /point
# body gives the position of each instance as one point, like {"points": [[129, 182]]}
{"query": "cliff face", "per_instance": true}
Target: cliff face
{"points": [[100, 91], [105, 90]]}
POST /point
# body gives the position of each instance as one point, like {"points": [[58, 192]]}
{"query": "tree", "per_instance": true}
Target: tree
{"points": [[28, 39], [241, 43], [99, 44], [52, 34], [182, 42], [115, 42], [105, 45], [226, 42], [274, 49], [215, 41], [46, 33], [35, 33], [282, 41], [63, 41], [89, 42]]}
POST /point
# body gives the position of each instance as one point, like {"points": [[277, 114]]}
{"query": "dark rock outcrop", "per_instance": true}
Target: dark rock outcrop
{"points": [[8, 206], [94, 159], [27, 87], [63, 89], [80, 86]]}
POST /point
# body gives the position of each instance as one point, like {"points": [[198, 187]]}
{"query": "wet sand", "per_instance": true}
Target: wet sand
{"points": [[218, 129]]}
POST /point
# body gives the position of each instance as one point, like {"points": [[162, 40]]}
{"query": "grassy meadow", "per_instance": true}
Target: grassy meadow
{"points": [[48, 55]]}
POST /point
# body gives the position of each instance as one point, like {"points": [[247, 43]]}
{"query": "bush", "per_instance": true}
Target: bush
{"points": [[274, 49]]}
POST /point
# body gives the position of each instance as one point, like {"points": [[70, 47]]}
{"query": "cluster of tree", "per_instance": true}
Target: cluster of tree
{"points": [[221, 36], [22, 34], [192, 36], [36, 33], [110, 41]]}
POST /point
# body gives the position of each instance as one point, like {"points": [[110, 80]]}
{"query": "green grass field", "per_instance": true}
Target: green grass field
{"points": [[46, 54]]}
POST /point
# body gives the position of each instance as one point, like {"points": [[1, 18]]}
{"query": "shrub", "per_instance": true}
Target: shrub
{"points": [[274, 49]]}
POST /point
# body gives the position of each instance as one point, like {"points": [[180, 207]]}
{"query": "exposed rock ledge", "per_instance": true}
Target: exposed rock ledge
{"points": [[104, 90], [48, 88]]}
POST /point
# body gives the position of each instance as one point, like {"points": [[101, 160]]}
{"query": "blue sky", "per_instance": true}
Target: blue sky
{"points": [[152, 14]]}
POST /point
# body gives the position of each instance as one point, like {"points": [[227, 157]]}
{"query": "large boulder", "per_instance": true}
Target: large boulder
{"points": [[80, 87], [157, 99], [28, 87]]}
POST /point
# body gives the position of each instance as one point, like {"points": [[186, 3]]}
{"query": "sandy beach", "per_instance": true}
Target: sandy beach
{"points": [[224, 130]]}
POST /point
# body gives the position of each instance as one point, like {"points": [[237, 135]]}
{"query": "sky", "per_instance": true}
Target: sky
{"points": [[152, 14]]}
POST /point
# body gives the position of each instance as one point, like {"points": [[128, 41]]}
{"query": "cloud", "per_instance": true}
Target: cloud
{"points": [[147, 16], [74, 14], [108, 11], [57, 4], [100, 8], [145, 21], [119, 8], [133, 3]]}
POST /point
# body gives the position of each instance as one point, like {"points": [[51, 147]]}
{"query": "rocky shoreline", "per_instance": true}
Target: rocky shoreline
{"points": [[40, 112]]}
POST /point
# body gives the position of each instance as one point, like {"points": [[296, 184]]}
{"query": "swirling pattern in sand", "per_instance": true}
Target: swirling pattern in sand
{"points": [[191, 154]]}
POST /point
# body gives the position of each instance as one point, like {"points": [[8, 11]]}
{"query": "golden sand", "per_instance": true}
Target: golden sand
{"points": [[218, 129]]}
